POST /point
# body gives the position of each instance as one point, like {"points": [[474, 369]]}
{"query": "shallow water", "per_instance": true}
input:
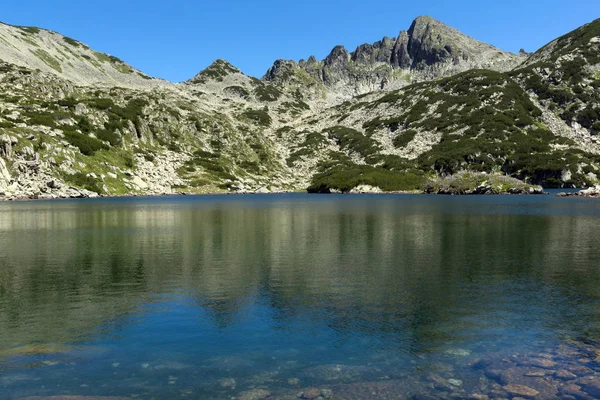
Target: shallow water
{"points": [[391, 296]]}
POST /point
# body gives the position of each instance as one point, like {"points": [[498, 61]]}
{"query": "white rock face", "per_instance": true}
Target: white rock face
{"points": [[137, 181], [366, 189], [262, 190], [4, 173]]}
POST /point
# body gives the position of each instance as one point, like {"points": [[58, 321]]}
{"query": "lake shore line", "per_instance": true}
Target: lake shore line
{"points": [[88, 196]]}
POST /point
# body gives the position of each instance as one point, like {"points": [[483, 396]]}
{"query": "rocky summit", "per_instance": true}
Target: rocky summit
{"points": [[428, 50], [428, 110]]}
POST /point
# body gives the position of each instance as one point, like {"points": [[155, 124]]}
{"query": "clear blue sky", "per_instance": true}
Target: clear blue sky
{"points": [[175, 39]]}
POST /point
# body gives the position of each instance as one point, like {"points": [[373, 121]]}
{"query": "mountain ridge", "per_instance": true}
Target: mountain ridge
{"points": [[429, 49], [68, 58], [97, 126]]}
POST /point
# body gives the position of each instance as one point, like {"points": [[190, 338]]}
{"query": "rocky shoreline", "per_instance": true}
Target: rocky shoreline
{"points": [[487, 190], [587, 193], [72, 193]]}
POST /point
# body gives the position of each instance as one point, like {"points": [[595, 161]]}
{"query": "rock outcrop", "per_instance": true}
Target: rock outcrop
{"points": [[428, 50], [593, 192]]}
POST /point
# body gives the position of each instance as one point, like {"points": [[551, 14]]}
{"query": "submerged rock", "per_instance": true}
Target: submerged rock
{"points": [[337, 372], [520, 390], [227, 383], [310, 393], [255, 394], [564, 375], [591, 385], [541, 363], [73, 398]]}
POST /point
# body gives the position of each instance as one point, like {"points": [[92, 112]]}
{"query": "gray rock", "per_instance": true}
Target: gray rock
{"points": [[255, 394], [564, 375], [262, 190], [4, 173], [590, 385], [520, 390], [227, 383]]}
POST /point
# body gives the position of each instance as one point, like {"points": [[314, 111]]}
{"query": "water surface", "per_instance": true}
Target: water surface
{"points": [[390, 296]]}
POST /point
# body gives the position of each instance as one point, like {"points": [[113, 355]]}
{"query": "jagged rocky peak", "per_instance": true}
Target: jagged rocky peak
{"points": [[429, 49], [282, 70], [430, 41], [217, 71], [339, 56], [377, 52]]}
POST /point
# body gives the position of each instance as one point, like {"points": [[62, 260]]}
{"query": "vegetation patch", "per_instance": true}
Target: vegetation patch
{"points": [[83, 181], [47, 59], [238, 91], [311, 144], [259, 116], [267, 93], [32, 30], [404, 138], [352, 140], [86, 144], [71, 42], [344, 178], [217, 71], [467, 182]]}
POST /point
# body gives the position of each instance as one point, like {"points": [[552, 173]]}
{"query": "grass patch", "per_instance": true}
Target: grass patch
{"points": [[47, 59]]}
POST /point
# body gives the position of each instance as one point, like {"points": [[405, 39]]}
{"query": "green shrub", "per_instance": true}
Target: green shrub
{"points": [[260, 116], [69, 102], [267, 93], [131, 111], [83, 181], [404, 138], [45, 119], [109, 136], [352, 140], [29, 29], [71, 42], [86, 144], [101, 103], [346, 177], [237, 91], [84, 124], [115, 60]]}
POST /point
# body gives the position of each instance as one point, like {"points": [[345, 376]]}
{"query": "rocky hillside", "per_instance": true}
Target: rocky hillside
{"points": [[47, 51], [434, 103], [428, 50]]}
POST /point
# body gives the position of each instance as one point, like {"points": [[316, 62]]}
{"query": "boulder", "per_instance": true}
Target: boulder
{"points": [[5, 146], [4, 173], [139, 182], [262, 190], [363, 189], [520, 390], [255, 394]]}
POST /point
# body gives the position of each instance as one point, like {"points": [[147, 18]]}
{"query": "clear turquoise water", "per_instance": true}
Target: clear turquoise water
{"points": [[367, 296]]}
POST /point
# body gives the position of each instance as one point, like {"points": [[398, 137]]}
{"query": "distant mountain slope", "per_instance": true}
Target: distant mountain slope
{"points": [[434, 103], [428, 50], [67, 58]]}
